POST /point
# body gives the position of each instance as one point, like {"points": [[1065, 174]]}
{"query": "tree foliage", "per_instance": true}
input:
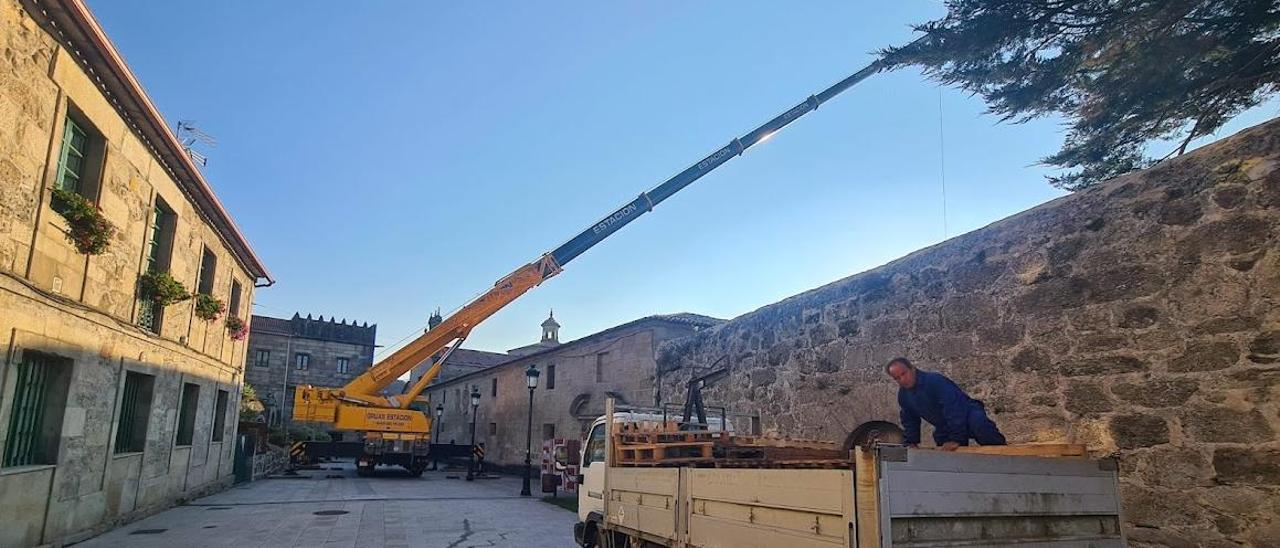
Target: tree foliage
{"points": [[1124, 73]]}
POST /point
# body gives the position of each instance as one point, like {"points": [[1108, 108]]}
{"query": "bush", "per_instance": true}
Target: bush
{"points": [[209, 308], [298, 433], [90, 231], [161, 288]]}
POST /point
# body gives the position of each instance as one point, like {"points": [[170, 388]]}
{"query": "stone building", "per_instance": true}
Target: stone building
{"points": [[1140, 317], [112, 405], [303, 351], [576, 377]]}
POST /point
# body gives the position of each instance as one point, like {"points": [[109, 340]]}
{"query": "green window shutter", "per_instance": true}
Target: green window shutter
{"points": [[27, 416], [72, 158], [128, 416]]}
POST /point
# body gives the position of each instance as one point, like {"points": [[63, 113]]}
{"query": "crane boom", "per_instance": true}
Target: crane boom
{"points": [[359, 406]]}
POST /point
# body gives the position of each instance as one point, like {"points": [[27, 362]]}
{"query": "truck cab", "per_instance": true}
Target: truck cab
{"points": [[593, 465]]}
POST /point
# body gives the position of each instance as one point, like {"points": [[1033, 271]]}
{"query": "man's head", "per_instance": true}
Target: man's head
{"points": [[902, 371]]}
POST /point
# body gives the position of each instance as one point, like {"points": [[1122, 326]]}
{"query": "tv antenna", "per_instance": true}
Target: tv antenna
{"points": [[188, 135]]}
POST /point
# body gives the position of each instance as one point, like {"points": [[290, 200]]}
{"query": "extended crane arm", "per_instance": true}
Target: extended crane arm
{"points": [[363, 390]]}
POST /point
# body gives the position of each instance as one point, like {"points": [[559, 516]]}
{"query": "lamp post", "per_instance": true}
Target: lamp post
{"points": [[475, 403], [439, 414], [531, 378], [435, 462]]}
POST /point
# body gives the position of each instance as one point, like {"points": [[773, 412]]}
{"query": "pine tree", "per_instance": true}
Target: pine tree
{"points": [[1124, 73]]}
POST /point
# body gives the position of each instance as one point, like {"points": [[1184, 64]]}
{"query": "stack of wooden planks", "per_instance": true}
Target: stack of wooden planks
{"points": [[656, 444], [659, 444]]}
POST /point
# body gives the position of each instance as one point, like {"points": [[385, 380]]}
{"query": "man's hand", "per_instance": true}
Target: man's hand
{"points": [[950, 446]]}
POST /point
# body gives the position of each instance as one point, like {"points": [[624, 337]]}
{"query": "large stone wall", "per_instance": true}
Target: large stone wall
{"points": [[54, 300], [1141, 317]]}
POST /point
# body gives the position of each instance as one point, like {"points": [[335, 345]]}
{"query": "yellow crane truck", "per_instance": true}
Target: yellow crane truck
{"points": [[394, 433]]}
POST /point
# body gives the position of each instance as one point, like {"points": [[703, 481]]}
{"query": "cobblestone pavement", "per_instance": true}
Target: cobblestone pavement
{"points": [[390, 509]]}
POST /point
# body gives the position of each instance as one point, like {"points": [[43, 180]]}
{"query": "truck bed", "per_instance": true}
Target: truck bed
{"points": [[895, 497]]}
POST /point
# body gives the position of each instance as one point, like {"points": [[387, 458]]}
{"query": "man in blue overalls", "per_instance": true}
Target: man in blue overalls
{"points": [[956, 418]]}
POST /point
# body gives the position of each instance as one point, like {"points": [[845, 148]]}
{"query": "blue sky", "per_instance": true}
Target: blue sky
{"points": [[388, 158]]}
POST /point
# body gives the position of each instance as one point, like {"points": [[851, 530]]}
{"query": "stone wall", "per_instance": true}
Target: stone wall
{"points": [[1141, 317], [83, 309], [626, 354]]}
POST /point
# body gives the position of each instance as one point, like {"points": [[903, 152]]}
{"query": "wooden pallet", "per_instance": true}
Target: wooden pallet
{"points": [[663, 453]]}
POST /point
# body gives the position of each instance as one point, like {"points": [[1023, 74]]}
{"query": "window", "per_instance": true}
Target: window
{"points": [[551, 377], [35, 418], [595, 445], [344, 365], [301, 361], [548, 431], [208, 271], [234, 308], [600, 358], [444, 397], [80, 156], [219, 415], [493, 429], [457, 399], [493, 388], [262, 358], [159, 250], [187, 413], [135, 410]]}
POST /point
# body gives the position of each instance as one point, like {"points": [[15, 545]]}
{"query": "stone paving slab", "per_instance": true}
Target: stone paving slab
{"points": [[389, 510]]}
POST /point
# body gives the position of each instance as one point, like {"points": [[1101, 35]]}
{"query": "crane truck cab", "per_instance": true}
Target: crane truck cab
{"points": [[593, 463]]}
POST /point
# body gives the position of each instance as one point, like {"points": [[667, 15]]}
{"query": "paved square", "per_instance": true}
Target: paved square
{"points": [[388, 510]]}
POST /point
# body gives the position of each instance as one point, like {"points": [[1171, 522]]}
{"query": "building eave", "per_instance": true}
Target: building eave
{"points": [[71, 22]]}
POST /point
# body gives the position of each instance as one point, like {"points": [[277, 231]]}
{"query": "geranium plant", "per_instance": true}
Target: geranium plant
{"points": [[237, 328], [161, 288], [208, 307], [89, 230]]}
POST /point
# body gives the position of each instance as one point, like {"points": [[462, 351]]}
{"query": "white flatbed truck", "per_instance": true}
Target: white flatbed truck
{"points": [[892, 497]]}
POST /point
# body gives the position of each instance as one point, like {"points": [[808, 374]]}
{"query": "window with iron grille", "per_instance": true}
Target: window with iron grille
{"points": [[135, 410], [262, 358], [493, 429], [219, 415], [493, 389], [301, 361], [344, 365], [159, 250], [35, 418], [187, 413], [551, 376]]}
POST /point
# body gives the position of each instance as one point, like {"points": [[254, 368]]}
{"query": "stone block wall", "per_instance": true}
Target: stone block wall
{"points": [[83, 309], [1140, 317]]}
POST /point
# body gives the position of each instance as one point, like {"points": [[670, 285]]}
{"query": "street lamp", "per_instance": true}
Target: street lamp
{"points": [[436, 439], [531, 378], [439, 413], [475, 403]]}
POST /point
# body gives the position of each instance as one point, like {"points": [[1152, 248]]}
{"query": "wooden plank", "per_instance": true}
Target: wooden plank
{"points": [[866, 498]]}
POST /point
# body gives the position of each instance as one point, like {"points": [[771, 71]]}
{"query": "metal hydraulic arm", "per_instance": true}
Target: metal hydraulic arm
{"points": [[358, 405]]}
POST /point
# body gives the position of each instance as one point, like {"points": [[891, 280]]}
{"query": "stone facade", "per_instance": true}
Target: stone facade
{"points": [[1140, 317], [619, 361], [75, 317], [274, 347]]}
